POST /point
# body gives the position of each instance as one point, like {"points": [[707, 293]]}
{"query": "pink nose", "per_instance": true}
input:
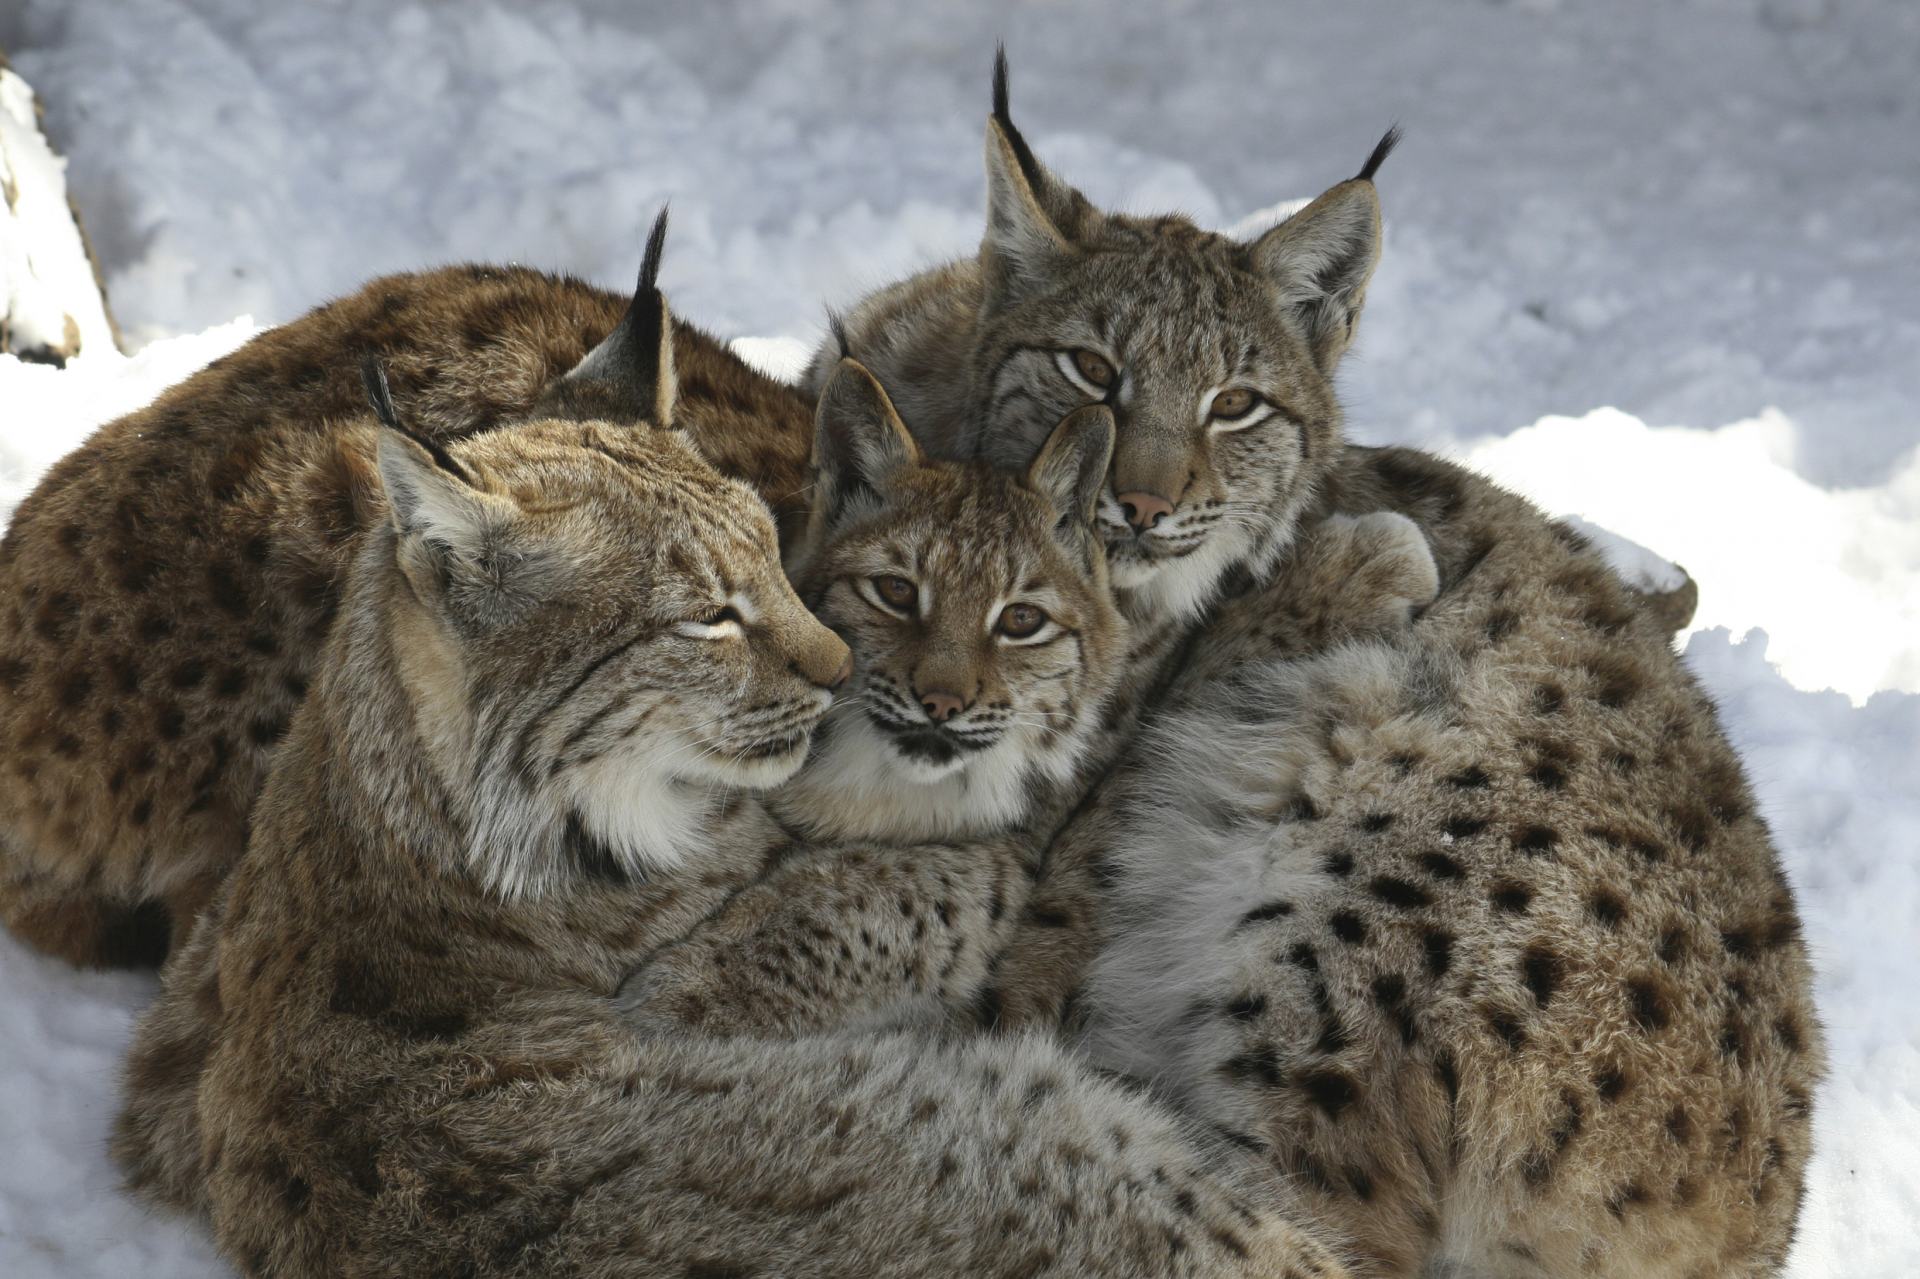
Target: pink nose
{"points": [[1144, 510], [941, 706]]}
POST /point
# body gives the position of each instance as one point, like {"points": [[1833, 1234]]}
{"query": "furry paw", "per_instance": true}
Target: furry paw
{"points": [[1373, 571]]}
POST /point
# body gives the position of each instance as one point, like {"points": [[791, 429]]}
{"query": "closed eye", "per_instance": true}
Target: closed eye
{"points": [[723, 621]]}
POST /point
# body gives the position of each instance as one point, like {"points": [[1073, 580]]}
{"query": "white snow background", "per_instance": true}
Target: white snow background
{"points": [[1654, 262]]}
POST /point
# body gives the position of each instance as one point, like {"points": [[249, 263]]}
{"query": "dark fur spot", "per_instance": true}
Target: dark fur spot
{"points": [[74, 689], [1510, 898], [1303, 956], [188, 674], [1465, 827], [1536, 840], [1332, 1091], [1610, 1082], [1334, 1036], [1246, 1007], [1474, 778], [1540, 968], [1398, 892], [1673, 944], [1441, 866], [1438, 945], [1506, 1025], [1501, 623], [1648, 1003], [1548, 699], [1390, 992], [1548, 776], [1376, 821], [1255, 1066], [1739, 942], [1339, 865], [1272, 910], [1348, 927], [1607, 907], [1631, 1195], [1302, 809], [359, 990]]}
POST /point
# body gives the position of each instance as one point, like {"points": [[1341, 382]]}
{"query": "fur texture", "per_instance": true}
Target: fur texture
{"points": [[369, 1061], [1471, 928], [169, 584], [986, 354]]}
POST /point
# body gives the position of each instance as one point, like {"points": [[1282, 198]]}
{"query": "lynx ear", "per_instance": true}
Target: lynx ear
{"points": [[447, 525], [1030, 213], [859, 440], [1071, 471], [628, 378], [1322, 257]]}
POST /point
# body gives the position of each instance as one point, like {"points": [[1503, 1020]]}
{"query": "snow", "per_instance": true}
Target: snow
{"points": [[1654, 262], [51, 287]]}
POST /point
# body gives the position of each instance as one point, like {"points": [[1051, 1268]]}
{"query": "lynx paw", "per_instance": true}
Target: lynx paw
{"points": [[1375, 570]]}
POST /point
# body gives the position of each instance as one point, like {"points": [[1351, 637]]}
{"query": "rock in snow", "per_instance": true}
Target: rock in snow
{"points": [[51, 305]]}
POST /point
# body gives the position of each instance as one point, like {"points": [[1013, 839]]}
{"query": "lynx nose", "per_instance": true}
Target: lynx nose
{"points": [[1144, 510], [941, 706]]}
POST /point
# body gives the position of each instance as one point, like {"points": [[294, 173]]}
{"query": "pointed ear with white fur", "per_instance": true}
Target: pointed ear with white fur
{"points": [[448, 527], [1071, 471], [1320, 260], [1031, 214], [859, 441]]}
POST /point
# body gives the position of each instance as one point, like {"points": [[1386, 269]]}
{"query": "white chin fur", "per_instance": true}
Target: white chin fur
{"points": [[856, 785]]}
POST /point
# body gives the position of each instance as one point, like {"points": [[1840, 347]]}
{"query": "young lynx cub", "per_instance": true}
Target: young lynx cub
{"points": [[169, 584], [977, 606], [373, 1061], [1215, 356]]}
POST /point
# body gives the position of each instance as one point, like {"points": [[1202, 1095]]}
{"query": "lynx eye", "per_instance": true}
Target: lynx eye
{"points": [[1021, 621], [722, 621], [896, 592], [1232, 404], [1095, 368]]}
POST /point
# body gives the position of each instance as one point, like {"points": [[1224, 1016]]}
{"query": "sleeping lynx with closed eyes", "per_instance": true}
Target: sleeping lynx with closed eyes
{"points": [[397, 1049], [1471, 930], [166, 588]]}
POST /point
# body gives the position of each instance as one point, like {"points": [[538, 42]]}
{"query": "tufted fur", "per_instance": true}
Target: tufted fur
{"points": [[166, 588], [1471, 928], [973, 542], [978, 353], [369, 1062]]}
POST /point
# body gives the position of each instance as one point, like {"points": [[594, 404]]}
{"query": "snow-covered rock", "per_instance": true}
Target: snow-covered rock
{"points": [[51, 306]]}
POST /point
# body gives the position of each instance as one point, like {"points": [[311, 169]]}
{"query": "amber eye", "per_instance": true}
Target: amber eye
{"points": [[1094, 368], [1018, 621], [1237, 402], [896, 592]]}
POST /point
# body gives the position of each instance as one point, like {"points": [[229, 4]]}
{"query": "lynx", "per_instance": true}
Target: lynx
{"points": [[168, 586], [1215, 356], [375, 1059]]}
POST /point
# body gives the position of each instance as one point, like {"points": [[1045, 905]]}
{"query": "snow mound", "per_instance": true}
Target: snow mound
{"points": [[1833, 575]]}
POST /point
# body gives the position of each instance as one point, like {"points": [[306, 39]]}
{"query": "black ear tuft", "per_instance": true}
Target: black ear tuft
{"points": [[373, 376], [1381, 150], [650, 261], [1029, 166], [837, 325], [628, 378]]}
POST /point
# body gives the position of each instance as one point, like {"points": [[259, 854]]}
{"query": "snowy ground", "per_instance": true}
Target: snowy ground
{"points": [[1655, 262]]}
